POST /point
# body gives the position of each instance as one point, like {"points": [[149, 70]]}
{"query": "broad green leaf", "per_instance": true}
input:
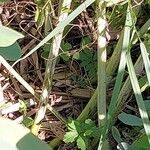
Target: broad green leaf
{"points": [[130, 120], [9, 36], [141, 143], [14, 136], [82, 143], [86, 40], [12, 52], [75, 125], [66, 46], [70, 136], [65, 56], [88, 132], [72, 125], [90, 122]]}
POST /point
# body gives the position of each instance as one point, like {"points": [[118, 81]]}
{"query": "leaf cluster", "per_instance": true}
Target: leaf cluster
{"points": [[88, 59], [81, 132]]}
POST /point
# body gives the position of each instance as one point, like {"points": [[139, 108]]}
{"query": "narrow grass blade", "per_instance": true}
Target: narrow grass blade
{"points": [[60, 27], [125, 47], [145, 60], [138, 95]]}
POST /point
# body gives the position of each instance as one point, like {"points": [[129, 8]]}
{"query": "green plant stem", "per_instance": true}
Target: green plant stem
{"points": [[88, 110], [102, 57], [49, 72]]}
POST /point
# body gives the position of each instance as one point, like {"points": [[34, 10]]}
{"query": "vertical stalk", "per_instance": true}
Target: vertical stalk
{"points": [[102, 56], [50, 67]]}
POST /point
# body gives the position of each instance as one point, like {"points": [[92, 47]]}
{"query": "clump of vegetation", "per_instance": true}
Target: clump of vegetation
{"points": [[99, 50]]}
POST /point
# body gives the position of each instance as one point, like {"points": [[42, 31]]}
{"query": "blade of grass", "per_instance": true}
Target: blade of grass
{"points": [[144, 52], [138, 95], [60, 27], [127, 87], [145, 60], [112, 107]]}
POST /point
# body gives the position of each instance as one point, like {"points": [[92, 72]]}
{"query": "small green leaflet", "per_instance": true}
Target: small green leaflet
{"points": [[82, 143], [70, 136]]}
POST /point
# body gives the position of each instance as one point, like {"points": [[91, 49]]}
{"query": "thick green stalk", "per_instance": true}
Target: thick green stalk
{"points": [[102, 56]]}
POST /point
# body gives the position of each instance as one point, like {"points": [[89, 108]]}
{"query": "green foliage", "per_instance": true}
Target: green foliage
{"points": [[9, 36], [81, 132], [12, 52], [9, 48], [117, 16], [141, 143], [4, 1], [129, 119], [64, 54], [116, 135], [88, 59], [40, 12], [89, 63], [27, 121], [147, 40], [65, 46], [14, 136]]}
